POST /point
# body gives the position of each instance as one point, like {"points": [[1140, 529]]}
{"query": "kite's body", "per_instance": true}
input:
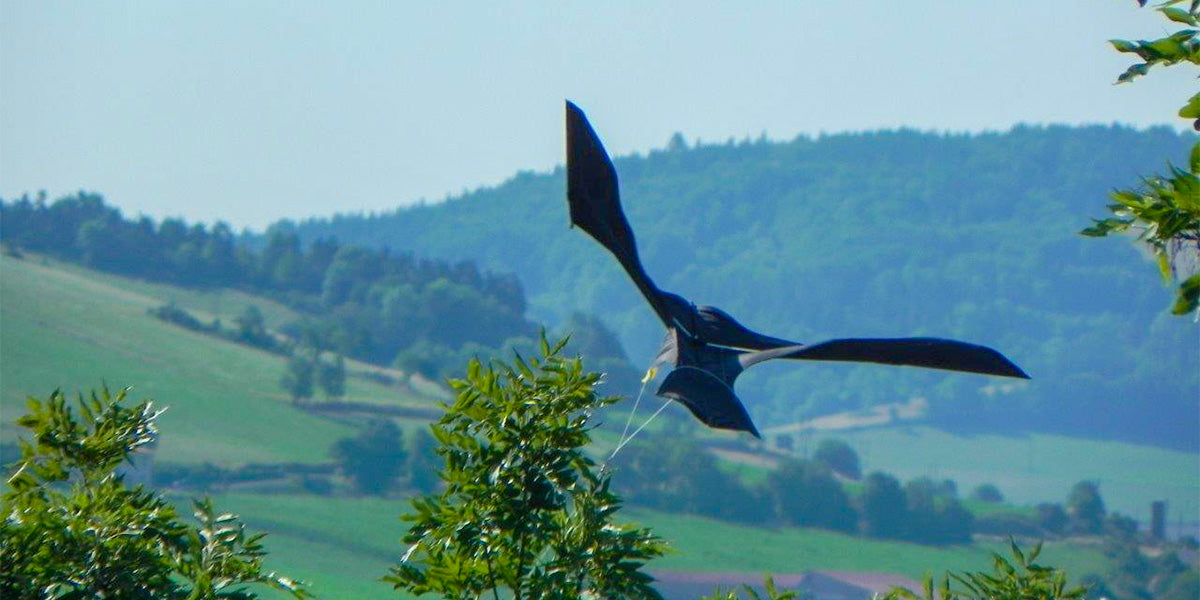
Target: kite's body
{"points": [[705, 347]]}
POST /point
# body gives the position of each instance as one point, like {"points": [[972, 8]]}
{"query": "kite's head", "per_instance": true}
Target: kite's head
{"points": [[682, 314]]}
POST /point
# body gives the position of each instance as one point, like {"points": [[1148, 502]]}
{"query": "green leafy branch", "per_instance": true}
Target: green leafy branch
{"points": [[1165, 212], [524, 512], [1181, 46], [71, 528], [1020, 578], [1166, 215]]}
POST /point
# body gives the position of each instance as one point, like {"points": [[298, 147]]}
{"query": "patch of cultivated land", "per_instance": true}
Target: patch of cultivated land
{"points": [[1032, 468], [67, 329]]}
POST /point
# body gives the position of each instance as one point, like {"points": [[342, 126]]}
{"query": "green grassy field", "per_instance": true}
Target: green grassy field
{"points": [[67, 329], [1034, 468]]}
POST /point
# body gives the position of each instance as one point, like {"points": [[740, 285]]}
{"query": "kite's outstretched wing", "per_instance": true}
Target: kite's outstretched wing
{"points": [[595, 205], [933, 353], [710, 399]]}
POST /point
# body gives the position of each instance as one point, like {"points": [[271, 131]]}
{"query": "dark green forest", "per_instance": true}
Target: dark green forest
{"points": [[893, 233]]}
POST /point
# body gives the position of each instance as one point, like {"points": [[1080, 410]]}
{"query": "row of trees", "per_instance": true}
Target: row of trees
{"points": [[307, 370], [377, 458], [684, 477]]}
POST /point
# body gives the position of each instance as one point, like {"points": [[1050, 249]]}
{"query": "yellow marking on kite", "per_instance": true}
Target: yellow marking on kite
{"points": [[650, 375]]}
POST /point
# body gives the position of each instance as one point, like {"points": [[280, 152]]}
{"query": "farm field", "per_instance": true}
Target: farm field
{"points": [[1034, 468], [70, 330]]}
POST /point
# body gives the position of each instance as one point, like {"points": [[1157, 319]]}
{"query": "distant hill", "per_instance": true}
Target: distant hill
{"points": [[892, 233]]}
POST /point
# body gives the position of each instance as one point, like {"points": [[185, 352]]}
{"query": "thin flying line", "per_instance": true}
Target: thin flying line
{"points": [[639, 429]]}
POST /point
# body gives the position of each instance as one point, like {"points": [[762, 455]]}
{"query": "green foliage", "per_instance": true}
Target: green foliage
{"points": [[249, 331], [1019, 579], [252, 330], [840, 457], [772, 593], [883, 505], [1085, 509], [683, 476], [935, 515], [1165, 212], [374, 458], [297, 380], [1183, 46], [72, 529], [524, 511], [331, 376], [1052, 518], [306, 370], [805, 493], [423, 462], [987, 492], [171, 313]]}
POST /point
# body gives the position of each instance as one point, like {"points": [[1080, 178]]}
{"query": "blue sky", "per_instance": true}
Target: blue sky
{"points": [[253, 111]]}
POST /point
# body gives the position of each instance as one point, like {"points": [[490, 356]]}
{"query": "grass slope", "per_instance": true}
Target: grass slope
{"points": [[73, 330]]}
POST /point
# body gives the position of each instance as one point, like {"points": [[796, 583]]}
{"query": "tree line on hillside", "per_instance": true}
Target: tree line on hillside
{"points": [[888, 233], [427, 316], [829, 492], [684, 477]]}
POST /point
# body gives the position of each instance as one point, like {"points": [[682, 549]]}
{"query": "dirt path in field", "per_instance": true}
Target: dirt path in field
{"points": [[877, 416]]}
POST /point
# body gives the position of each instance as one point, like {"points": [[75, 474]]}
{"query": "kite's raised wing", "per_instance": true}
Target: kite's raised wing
{"points": [[932, 353], [595, 205]]}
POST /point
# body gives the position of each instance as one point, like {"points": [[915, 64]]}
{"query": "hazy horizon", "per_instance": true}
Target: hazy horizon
{"points": [[250, 114]]}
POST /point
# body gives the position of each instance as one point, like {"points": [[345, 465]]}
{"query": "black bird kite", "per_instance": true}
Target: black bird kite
{"points": [[706, 348]]}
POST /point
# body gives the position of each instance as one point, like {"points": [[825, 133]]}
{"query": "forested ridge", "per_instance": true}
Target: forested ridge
{"points": [[892, 233]]}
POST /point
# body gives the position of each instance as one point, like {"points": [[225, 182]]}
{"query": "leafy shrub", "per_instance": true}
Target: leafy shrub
{"points": [[1020, 579], [524, 511], [987, 493], [839, 457], [72, 529], [177, 316], [373, 459]]}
